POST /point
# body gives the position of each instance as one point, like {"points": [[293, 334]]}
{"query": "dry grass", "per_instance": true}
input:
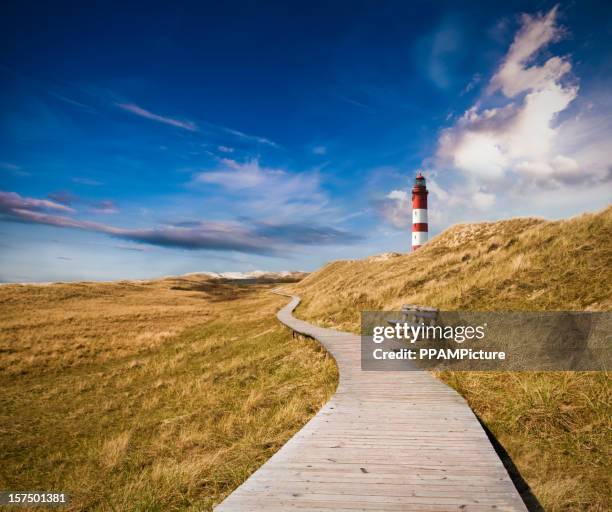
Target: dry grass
{"points": [[160, 395], [557, 427], [519, 264]]}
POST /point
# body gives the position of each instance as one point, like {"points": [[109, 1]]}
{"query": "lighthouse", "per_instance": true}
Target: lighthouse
{"points": [[419, 212]]}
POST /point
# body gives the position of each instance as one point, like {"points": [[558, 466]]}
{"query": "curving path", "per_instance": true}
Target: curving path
{"points": [[386, 441]]}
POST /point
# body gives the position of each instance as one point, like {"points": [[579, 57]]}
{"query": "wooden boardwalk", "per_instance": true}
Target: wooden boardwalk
{"points": [[386, 441]]}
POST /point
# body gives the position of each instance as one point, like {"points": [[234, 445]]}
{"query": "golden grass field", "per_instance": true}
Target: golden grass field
{"points": [[557, 427], [159, 395]]}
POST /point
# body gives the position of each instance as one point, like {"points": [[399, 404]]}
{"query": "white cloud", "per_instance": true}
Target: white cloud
{"points": [[479, 153], [397, 208], [319, 150], [518, 142], [513, 76], [482, 200], [236, 176], [489, 143]]}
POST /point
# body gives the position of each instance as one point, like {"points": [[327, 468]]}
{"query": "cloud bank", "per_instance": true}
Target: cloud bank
{"points": [[246, 236], [489, 144], [513, 140]]}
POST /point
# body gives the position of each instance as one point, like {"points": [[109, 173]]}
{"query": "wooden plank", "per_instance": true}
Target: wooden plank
{"points": [[386, 441]]}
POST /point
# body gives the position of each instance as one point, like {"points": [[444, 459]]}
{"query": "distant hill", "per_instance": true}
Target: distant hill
{"points": [[258, 276], [517, 264]]}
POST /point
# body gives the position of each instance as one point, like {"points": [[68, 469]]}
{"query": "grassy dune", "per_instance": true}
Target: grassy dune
{"points": [[557, 427], [159, 395]]}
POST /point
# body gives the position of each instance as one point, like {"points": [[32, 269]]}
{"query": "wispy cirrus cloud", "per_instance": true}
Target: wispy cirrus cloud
{"points": [[305, 234], [73, 102], [132, 247], [87, 181], [67, 198], [63, 197], [192, 126], [246, 236], [264, 190], [246, 136], [234, 175], [354, 102], [9, 167], [13, 169], [147, 114], [440, 50], [13, 203], [106, 207]]}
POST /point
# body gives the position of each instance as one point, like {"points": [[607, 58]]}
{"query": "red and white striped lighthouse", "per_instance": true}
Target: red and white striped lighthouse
{"points": [[419, 212]]}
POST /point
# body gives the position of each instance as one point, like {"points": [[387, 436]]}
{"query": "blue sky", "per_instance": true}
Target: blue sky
{"points": [[143, 139]]}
